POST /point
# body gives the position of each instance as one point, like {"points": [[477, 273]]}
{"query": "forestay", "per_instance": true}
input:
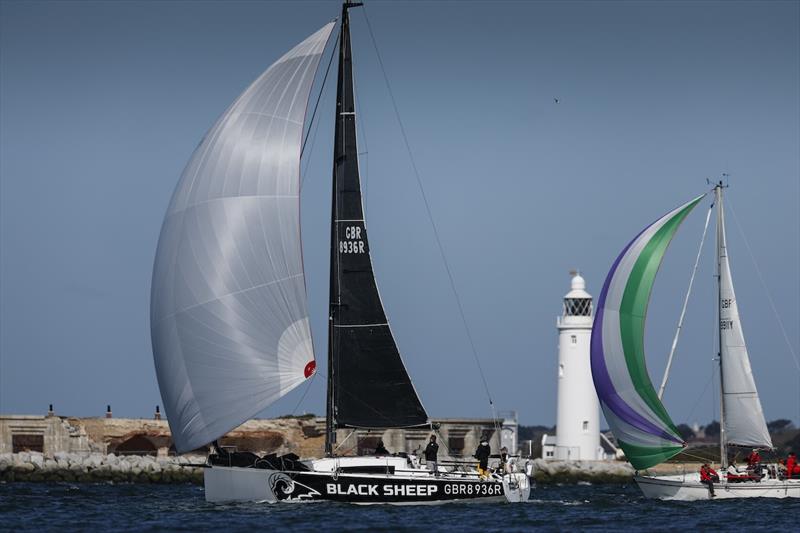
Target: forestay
{"points": [[744, 419], [229, 319], [631, 406]]}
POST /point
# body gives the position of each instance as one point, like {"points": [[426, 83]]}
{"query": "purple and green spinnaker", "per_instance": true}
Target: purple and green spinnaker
{"points": [[638, 419]]}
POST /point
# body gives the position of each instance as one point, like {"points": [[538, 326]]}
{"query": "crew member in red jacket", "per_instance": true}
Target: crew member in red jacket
{"points": [[708, 476], [754, 464], [754, 459], [791, 466]]}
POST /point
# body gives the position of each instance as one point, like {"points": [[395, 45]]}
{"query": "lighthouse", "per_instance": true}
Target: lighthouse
{"points": [[578, 418]]}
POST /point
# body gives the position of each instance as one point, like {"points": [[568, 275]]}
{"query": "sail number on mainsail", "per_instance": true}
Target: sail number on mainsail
{"points": [[352, 243]]}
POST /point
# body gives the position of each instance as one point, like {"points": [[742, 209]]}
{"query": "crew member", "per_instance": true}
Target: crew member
{"points": [[504, 466], [792, 468], [380, 449], [733, 473], [482, 454], [708, 476], [754, 460], [431, 451]]}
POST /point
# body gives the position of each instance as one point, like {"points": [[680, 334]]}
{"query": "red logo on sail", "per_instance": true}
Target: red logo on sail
{"points": [[310, 368]]}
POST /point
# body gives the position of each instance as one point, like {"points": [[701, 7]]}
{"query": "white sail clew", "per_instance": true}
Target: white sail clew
{"points": [[228, 316], [744, 418]]}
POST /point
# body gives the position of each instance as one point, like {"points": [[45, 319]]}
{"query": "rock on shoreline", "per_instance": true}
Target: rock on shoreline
{"points": [[548, 472], [98, 467]]}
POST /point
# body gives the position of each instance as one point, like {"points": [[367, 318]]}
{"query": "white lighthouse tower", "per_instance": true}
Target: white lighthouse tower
{"points": [[578, 420]]}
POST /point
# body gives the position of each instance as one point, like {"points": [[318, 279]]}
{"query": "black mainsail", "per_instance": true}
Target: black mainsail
{"points": [[368, 386]]}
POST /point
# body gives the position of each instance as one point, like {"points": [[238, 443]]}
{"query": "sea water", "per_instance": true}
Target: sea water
{"points": [[138, 507]]}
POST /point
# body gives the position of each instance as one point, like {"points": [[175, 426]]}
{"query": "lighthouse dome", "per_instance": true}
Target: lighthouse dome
{"points": [[578, 287]]}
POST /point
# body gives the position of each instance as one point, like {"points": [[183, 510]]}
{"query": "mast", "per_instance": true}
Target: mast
{"points": [[344, 86], [368, 385], [723, 445]]}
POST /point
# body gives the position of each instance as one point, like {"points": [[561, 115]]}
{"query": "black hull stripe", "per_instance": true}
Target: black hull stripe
{"points": [[381, 489]]}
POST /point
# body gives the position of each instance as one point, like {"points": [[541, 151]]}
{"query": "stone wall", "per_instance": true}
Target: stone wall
{"points": [[304, 436]]}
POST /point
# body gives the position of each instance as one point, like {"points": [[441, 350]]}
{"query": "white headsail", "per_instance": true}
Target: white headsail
{"points": [[744, 422], [228, 316]]}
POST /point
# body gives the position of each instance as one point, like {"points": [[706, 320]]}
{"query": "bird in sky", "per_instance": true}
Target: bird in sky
{"points": [[556, 100]]}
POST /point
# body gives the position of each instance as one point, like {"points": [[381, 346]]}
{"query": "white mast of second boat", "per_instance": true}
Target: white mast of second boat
{"points": [[723, 447]]}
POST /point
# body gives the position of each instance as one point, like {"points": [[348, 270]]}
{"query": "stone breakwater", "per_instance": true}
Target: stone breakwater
{"points": [[98, 467], [566, 472]]}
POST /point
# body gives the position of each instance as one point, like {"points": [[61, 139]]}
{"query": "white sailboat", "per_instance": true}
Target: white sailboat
{"points": [[635, 413], [229, 318]]}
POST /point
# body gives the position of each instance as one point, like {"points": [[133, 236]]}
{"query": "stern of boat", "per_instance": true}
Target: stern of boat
{"points": [[516, 487], [233, 484]]}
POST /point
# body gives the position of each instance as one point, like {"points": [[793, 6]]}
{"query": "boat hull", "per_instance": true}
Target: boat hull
{"points": [[689, 488], [227, 484]]}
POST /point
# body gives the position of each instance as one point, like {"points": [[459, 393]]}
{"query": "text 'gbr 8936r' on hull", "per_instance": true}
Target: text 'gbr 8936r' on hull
{"points": [[229, 318]]}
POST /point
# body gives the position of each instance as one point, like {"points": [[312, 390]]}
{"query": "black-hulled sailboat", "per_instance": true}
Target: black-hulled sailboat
{"points": [[229, 317]]}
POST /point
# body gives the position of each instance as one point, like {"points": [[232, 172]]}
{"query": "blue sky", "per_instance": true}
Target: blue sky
{"points": [[102, 103]]}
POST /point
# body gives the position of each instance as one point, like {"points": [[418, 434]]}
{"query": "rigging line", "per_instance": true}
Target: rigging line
{"points": [[699, 398], [714, 363], [345, 440], [685, 304], [319, 96], [309, 159], [764, 285], [701, 458], [315, 124], [360, 124], [430, 218], [303, 397]]}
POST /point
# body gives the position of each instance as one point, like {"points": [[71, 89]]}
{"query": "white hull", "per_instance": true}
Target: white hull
{"points": [[689, 488], [410, 486]]}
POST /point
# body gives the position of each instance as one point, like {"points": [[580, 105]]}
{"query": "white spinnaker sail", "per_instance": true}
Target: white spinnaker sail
{"points": [[744, 418], [228, 316]]}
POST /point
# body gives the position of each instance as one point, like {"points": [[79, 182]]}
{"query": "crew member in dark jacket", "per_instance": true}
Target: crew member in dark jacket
{"points": [[380, 449], [431, 451], [482, 455]]}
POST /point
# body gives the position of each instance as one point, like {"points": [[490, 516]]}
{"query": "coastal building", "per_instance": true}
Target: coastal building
{"points": [[303, 435], [45, 434], [578, 412], [509, 429]]}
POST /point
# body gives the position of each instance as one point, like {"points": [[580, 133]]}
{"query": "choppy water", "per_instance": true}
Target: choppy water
{"points": [[102, 507]]}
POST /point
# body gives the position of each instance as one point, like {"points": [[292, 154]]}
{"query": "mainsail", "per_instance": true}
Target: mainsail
{"points": [[228, 313], [368, 385], [743, 422], [631, 406]]}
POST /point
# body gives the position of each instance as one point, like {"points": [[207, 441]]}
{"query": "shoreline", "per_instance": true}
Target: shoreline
{"points": [[97, 467]]}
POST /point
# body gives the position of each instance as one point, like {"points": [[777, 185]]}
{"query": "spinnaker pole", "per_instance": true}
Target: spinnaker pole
{"points": [[683, 310]]}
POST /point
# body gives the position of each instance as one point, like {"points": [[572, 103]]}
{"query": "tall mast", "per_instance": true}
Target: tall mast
{"points": [[723, 446], [344, 113]]}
